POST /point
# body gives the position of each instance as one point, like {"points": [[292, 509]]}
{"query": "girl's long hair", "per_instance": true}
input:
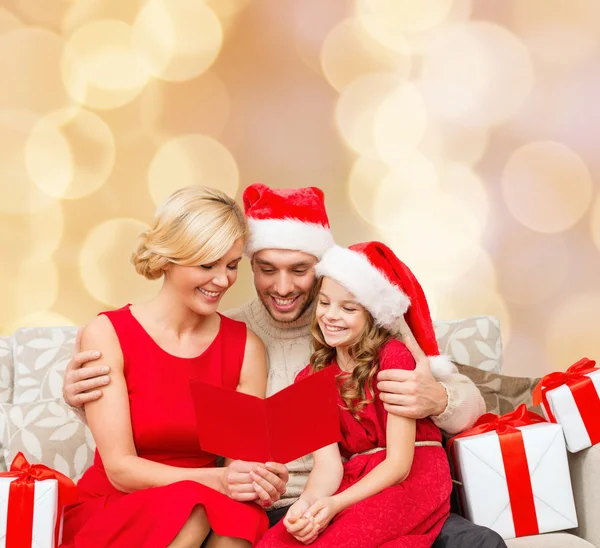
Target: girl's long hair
{"points": [[356, 389]]}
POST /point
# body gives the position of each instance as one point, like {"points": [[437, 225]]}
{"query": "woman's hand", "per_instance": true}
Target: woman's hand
{"points": [[303, 529], [269, 482]]}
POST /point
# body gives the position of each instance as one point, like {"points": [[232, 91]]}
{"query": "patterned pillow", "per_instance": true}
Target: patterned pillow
{"points": [[6, 370], [473, 341], [41, 356], [47, 432], [502, 393]]}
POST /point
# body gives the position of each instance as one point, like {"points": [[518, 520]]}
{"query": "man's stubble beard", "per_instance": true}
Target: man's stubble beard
{"points": [[310, 299]]}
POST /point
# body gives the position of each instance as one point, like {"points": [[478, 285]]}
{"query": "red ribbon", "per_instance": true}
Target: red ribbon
{"points": [[514, 459], [21, 497], [583, 390]]}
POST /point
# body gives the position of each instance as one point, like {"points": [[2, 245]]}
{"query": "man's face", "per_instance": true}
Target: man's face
{"points": [[285, 282]]}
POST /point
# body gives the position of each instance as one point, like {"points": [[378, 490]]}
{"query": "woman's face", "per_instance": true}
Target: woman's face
{"points": [[340, 317], [202, 287]]}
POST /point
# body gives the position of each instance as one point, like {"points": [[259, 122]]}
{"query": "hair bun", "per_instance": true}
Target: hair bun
{"points": [[146, 262]]}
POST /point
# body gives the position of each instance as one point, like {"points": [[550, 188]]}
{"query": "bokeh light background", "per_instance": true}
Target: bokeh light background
{"points": [[463, 133]]}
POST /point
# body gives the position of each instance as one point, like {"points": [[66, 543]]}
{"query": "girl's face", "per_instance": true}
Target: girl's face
{"points": [[339, 316], [202, 287]]}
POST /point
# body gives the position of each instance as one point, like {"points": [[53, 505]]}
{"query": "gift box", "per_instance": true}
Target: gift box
{"points": [[32, 498], [571, 400], [515, 474]]}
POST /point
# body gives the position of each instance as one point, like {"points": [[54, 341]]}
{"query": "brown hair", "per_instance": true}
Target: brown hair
{"points": [[356, 389]]}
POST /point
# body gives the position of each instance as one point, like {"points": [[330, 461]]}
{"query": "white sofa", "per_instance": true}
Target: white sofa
{"points": [[35, 420]]}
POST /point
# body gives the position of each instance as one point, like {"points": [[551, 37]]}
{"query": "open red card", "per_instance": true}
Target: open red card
{"points": [[290, 424]]}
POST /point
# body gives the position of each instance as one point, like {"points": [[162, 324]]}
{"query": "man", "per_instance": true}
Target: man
{"points": [[289, 232]]}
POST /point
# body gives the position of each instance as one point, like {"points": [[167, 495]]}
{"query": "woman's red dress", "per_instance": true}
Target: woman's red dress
{"points": [[164, 431]]}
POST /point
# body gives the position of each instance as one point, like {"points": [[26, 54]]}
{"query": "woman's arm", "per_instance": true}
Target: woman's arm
{"points": [[400, 433], [110, 422], [264, 482]]}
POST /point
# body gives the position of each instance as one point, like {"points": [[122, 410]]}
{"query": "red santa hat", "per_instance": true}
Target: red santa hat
{"points": [[388, 289], [282, 218]]}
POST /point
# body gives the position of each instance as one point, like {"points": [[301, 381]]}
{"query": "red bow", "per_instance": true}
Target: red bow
{"points": [[576, 373], [514, 459], [19, 527]]}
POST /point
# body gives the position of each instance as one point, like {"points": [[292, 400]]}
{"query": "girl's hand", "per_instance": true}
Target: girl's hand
{"points": [[323, 511], [301, 528]]}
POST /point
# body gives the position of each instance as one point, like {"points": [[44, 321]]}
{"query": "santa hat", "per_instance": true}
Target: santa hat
{"points": [[388, 289], [281, 218]]}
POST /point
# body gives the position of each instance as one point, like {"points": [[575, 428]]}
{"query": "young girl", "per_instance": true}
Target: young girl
{"points": [[387, 483]]}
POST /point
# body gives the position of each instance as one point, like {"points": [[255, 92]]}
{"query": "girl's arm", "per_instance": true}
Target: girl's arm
{"points": [[326, 475], [400, 433], [323, 481], [110, 422]]}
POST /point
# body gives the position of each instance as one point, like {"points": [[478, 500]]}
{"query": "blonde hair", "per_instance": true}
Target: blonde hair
{"points": [[195, 225], [356, 389]]}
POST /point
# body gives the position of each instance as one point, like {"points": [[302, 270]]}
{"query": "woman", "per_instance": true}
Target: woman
{"points": [[387, 483], [151, 485]]}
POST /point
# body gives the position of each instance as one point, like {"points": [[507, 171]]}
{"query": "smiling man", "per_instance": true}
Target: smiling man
{"points": [[289, 232]]}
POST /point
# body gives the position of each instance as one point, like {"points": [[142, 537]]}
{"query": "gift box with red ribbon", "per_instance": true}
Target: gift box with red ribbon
{"points": [[32, 498], [571, 400], [514, 474]]}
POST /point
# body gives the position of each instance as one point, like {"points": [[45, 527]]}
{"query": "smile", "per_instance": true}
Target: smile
{"points": [[211, 295], [284, 304], [333, 328]]}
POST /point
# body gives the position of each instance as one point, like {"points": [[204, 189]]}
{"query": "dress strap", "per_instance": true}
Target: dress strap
{"points": [[233, 347]]}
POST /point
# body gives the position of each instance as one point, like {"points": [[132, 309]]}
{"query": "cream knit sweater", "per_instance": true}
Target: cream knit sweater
{"points": [[288, 351]]}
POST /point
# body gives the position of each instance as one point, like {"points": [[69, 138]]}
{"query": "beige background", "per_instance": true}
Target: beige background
{"points": [[465, 134]]}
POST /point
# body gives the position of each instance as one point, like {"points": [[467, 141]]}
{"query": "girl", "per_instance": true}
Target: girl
{"points": [[151, 485], [387, 483]]}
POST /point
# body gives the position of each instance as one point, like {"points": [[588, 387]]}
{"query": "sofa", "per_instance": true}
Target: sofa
{"points": [[35, 420]]}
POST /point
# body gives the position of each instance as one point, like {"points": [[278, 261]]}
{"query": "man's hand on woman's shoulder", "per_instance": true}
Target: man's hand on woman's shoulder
{"points": [[84, 384]]}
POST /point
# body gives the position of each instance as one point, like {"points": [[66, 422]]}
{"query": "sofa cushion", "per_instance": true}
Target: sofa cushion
{"points": [[41, 355], [47, 432], [502, 393], [473, 341], [549, 540], [6, 370]]}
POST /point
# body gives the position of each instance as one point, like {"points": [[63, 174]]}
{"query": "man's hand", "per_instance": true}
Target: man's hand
{"points": [[412, 394], [302, 528], [253, 481], [270, 482], [82, 384]]}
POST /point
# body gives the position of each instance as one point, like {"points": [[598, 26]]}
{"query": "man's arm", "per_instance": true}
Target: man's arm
{"points": [[453, 404]]}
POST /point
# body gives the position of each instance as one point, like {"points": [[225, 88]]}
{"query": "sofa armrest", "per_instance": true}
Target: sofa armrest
{"points": [[585, 475]]}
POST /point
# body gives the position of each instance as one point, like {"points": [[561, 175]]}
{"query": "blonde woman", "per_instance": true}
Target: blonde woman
{"points": [[151, 485]]}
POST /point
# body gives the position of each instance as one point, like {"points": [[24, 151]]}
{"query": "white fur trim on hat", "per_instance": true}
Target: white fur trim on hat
{"points": [[384, 300], [291, 234], [441, 366]]}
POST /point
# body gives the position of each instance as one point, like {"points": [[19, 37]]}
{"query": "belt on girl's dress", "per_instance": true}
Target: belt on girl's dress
{"points": [[377, 449]]}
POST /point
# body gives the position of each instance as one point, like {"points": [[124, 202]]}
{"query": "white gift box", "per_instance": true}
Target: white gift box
{"points": [[45, 511], [565, 411], [480, 468]]}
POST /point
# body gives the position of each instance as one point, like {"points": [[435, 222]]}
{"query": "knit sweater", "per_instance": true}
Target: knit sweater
{"points": [[289, 349]]}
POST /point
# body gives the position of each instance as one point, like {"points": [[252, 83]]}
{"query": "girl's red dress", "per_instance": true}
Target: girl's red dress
{"points": [[164, 431], [407, 515]]}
